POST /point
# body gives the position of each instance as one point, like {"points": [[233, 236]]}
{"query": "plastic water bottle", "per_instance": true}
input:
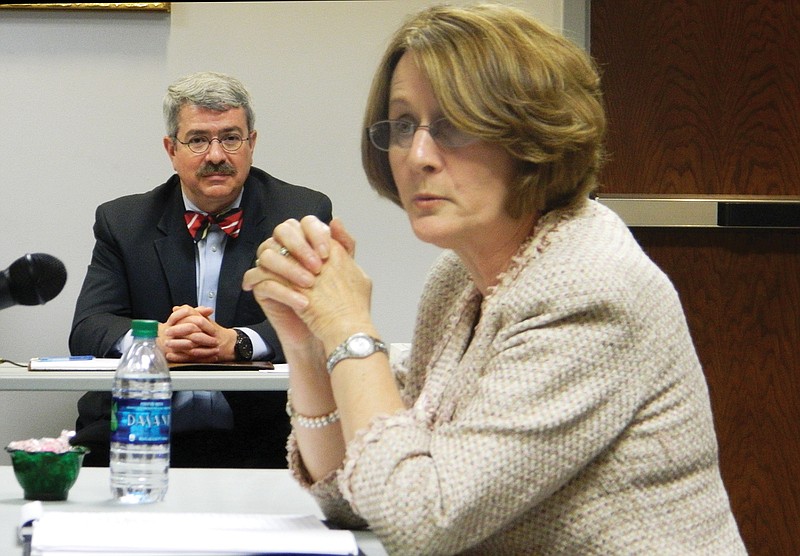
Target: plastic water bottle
{"points": [[141, 411]]}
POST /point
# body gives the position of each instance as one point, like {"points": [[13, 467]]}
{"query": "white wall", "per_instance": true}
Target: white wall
{"points": [[81, 112]]}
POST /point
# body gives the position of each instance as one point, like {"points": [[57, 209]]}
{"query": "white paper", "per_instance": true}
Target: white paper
{"points": [[280, 369], [73, 364], [30, 513], [129, 532]]}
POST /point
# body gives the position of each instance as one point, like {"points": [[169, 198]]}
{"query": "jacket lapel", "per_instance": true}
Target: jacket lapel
{"points": [[176, 252], [240, 252]]}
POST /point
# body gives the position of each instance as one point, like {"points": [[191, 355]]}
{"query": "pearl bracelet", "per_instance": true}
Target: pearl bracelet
{"points": [[309, 422]]}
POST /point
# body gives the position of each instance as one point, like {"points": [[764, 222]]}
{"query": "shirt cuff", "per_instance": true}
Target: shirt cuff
{"points": [[261, 350], [122, 345]]}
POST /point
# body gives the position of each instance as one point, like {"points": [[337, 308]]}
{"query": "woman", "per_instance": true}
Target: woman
{"points": [[553, 402]]}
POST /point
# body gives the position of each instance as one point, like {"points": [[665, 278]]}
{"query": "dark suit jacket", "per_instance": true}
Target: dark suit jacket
{"points": [[143, 264]]}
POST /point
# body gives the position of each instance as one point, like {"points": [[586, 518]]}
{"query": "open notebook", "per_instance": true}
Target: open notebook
{"points": [[68, 533]]}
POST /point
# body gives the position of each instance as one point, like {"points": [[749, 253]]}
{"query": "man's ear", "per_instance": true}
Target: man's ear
{"points": [[169, 146]]}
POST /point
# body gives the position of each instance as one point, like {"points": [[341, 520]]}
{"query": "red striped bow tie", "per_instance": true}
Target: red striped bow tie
{"points": [[198, 223]]}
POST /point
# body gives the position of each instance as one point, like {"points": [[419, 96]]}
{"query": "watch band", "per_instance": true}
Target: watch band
{"points": [[357, 346]]}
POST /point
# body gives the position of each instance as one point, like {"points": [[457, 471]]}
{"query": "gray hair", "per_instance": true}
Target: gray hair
{"points": [[214, 91]]}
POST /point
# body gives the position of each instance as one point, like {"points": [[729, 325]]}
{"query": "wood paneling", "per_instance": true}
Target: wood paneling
{"points": [[704, 98], [744, 321]]}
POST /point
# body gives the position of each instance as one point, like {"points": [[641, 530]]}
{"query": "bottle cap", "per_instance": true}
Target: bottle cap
{"points": [[144, 328]]}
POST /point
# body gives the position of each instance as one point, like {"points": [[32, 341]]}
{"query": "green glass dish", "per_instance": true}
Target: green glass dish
{"points": [[47, 476]]}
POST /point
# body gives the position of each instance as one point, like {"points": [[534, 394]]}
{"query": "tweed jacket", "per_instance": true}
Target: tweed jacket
{"points": [[564, 413]]}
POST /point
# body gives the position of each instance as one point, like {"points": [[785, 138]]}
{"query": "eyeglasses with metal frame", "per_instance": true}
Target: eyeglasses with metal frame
{"points": [[400, 133], [199, 144]]}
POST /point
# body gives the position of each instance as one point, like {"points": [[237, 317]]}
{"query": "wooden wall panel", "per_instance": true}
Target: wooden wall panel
{"points": [[744, 321], [704, 99], [702, 96]]}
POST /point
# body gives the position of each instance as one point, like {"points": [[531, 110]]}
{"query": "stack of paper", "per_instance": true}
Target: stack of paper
{"points": [[148, 533]]}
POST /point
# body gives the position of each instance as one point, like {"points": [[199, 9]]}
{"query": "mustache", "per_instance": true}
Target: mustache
{"points": [[209, 168]]}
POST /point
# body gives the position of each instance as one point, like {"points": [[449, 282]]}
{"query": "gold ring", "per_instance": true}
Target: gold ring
{"points": [[284, 251]]}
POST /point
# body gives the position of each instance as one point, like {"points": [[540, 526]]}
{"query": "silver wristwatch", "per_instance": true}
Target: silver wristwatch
{"points": [[357, 346]]}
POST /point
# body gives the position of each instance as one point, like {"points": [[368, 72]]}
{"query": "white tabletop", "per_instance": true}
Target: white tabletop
{"points": [[21, 379], [265, 491]]}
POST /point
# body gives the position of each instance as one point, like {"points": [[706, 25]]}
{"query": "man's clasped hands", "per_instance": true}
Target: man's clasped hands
{"points": [[301, 288]]}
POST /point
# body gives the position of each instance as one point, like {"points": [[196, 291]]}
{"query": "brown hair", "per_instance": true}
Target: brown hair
{"points": [[500, 75]]}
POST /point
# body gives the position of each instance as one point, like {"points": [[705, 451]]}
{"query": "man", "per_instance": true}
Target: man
{"points": [[146, 264]]}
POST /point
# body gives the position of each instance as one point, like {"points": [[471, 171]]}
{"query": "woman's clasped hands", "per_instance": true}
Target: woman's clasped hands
{"points": [[307, 282]]}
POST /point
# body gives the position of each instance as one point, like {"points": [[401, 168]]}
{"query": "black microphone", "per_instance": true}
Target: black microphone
{"points": [[33, 279]]}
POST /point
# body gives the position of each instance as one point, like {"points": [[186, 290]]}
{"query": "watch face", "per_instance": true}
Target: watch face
{"points": [[243, 347], [360, 346]]}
